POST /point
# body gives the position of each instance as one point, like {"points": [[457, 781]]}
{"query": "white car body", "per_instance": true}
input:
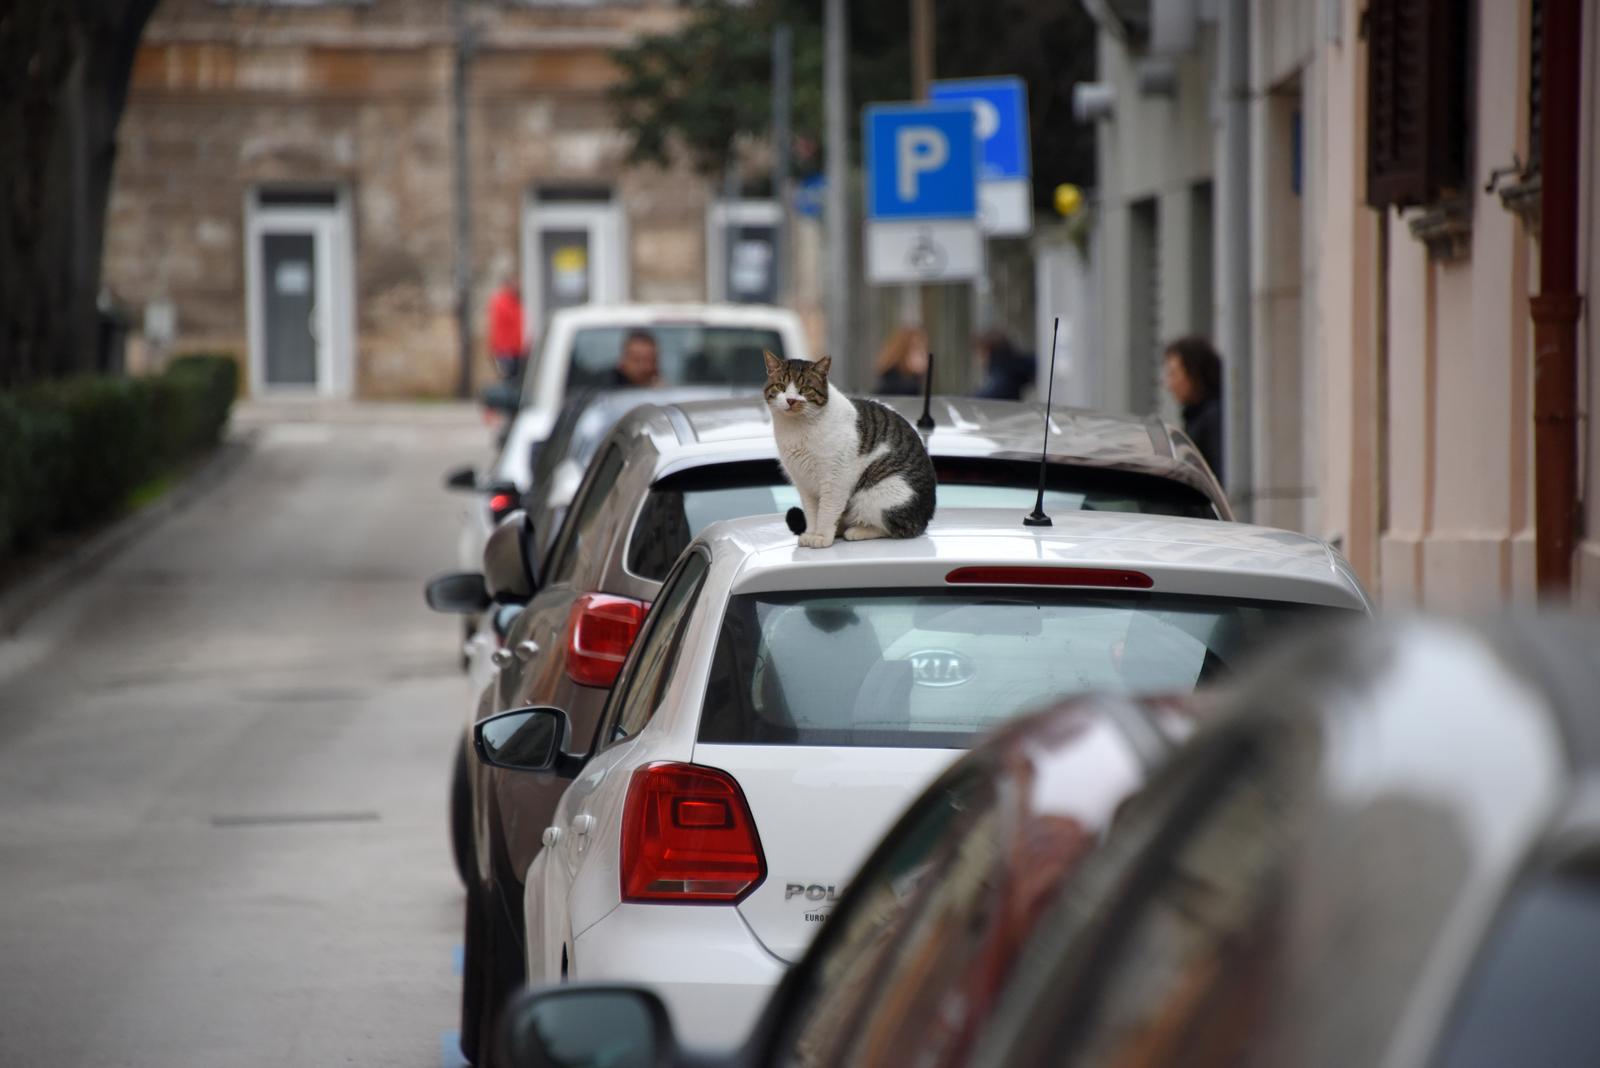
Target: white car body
{"points": [[819, 809]]}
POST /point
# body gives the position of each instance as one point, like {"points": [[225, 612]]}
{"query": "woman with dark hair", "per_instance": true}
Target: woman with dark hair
{"points": [[1194, 378], [902, 362]]}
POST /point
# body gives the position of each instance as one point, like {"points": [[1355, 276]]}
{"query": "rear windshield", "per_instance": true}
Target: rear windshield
{"points": [[932, 668], [680, 506], [688, 354]]}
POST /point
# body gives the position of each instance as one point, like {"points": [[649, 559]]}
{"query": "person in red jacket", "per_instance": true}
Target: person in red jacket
{"points": [[507, 342]]}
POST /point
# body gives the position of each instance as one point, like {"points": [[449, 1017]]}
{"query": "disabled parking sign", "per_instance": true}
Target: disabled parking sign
{"points": [[1005, 191], [922, 192]]}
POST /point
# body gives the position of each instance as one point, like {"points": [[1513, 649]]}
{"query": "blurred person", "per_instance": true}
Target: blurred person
{"points": [[507, 340], [639, 364], [902, 362], [1007, 370], [1193, 376]]}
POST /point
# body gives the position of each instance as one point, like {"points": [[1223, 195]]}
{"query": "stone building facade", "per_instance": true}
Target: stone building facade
{"points": [[285, 171]]}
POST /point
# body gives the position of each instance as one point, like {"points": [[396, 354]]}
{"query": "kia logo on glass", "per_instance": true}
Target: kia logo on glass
{"points": [[940, 667]]}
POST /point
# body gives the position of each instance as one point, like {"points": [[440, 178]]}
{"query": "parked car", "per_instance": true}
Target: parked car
{"points": [[811, 694], [1382, 852], [979, 854], [542, 477], [698, 344], [662, 475]]}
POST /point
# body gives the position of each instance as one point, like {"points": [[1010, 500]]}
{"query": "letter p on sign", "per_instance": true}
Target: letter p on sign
{"points": [[918, 149]]}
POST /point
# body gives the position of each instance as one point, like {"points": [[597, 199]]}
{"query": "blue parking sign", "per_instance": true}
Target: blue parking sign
{"points": [[1002, 108], [922, 161]]}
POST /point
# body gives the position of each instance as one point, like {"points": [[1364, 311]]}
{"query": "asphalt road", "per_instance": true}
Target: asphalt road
{"points": [[223, 770]]}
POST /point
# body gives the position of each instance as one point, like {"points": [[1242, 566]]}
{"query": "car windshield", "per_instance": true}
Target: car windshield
{"points": [[680, 506], [687, 354], [932, 668]]}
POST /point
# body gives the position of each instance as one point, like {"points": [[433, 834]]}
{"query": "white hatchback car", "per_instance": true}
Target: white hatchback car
{"points": [[782, 705]]}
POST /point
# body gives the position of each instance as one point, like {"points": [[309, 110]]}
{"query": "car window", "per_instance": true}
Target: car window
{"points": [[578, 531], [995, 482], [686, 354], [932, 668], [681, 505], [638, 694], [1531, 998]]}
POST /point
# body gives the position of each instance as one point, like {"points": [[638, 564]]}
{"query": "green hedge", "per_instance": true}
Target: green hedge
{"points": [[72, 450]]}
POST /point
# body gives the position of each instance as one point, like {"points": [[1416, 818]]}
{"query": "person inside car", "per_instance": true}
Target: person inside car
{"points": [[638, 364]]}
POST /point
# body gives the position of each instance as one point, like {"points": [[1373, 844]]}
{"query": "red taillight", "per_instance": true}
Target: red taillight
{"points": [[600, 631], [502, 505], [1115, 578], [687, 835]]}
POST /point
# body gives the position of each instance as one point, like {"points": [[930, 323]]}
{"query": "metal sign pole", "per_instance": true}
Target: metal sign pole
{"points": [[836, 101]]}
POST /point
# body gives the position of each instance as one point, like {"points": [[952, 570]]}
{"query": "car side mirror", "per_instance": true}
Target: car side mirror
{"points": [[576, 1025], [526, 739], [460, 593], [503, 397], [462, 478]]}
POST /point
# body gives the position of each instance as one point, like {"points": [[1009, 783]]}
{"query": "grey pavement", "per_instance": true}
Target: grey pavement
{"points": [[223, 768]]}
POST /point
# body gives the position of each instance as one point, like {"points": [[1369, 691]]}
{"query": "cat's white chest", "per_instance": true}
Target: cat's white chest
{"points": [[820, 452]]}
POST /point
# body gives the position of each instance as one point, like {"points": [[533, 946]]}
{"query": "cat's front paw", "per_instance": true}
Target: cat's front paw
{"points": [[815, 541]]}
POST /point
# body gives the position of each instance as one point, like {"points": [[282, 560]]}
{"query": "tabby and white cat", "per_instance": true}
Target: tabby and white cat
{"points": [[861, 469]]}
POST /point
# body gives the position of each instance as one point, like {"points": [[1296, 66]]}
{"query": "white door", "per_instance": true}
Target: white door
{"points": [[573, 252], [299, 294], [742, 251]]}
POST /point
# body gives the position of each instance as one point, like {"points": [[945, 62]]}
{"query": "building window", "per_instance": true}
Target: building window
{"points": [[1417, 114]]}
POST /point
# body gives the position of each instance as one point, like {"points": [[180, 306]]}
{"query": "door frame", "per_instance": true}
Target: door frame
{"points": [[608, 233], [329, 227]]}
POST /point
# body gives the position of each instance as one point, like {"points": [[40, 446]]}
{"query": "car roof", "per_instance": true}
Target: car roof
{"points": [[1013, 425], [965, 426], [622, 401], [1547, 666], [1199, 556], [663, 314]]}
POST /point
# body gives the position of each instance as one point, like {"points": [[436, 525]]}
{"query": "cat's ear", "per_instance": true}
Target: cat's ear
{"points": [[774, 365], [823, 365]]}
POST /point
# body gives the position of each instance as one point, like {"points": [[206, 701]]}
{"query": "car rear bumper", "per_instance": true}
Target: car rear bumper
{"points": [[701, 959]]}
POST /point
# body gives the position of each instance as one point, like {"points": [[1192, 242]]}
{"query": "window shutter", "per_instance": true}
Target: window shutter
{"points": [[1535, 86], [1416, 100]]}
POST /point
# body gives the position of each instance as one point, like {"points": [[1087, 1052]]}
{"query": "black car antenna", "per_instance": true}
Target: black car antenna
{"points": [[925, 421], [1037, 518]]}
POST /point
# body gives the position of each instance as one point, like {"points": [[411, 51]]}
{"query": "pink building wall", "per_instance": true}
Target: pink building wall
{"points": [[1436, 505]]}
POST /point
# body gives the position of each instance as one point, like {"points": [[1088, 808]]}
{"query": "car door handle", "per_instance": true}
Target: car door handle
{"points": [[551, 836], [501, 657], [581, 823], [528, 649]]}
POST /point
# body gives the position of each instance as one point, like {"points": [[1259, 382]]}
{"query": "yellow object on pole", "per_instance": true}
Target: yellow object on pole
{"points": [[1069, 198]]}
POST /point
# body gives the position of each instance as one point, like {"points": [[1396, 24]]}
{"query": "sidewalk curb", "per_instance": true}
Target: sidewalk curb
{"points": [[24, 599]]}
